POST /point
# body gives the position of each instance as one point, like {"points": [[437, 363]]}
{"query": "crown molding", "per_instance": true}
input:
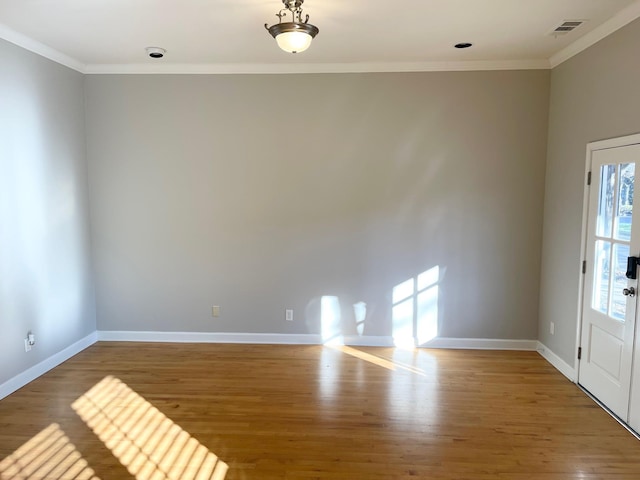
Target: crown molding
{"points": [[292, 68], [622, 18], [160, 67], [38, 48]]}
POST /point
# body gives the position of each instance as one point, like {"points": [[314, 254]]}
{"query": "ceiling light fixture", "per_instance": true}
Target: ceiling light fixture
{"points": [[294, 36]]}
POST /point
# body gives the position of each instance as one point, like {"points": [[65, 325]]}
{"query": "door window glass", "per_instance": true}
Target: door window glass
{"points": [[624, 209], [601, 276], [618, 300], [613, 232], [605, 202]]}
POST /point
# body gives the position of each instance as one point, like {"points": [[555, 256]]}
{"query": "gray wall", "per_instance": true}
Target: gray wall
{"points": [[594, 96], [260, 193], [45, 275]]}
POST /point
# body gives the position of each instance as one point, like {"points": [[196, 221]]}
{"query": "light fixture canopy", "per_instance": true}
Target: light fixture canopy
{"points": [[294, 36]]}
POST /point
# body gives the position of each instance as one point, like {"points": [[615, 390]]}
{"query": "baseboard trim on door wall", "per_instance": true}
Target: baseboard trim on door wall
{"points": [[482, 344], [562, 366], [22, 379]]}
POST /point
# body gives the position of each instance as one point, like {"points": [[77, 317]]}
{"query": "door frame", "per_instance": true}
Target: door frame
{"points": [[591, 147]]}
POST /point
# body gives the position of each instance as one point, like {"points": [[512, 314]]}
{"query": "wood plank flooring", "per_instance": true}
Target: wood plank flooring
{"points": [[191, 411]]}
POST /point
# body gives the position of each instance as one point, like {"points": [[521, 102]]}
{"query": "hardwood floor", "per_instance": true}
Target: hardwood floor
{"points": [[187, 411]]}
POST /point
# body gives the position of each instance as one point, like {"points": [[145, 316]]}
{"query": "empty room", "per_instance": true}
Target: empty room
{"points": [[308, 240]]}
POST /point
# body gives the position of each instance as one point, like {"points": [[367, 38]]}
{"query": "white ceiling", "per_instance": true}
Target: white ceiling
{"points": [[228, 36]]}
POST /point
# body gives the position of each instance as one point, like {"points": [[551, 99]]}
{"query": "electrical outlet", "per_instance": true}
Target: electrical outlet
{"points": [[215, 311], [288, 315], [27, 346], [552, 328]]}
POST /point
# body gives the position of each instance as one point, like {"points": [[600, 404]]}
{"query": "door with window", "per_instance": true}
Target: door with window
{"points": [[610, 296]]}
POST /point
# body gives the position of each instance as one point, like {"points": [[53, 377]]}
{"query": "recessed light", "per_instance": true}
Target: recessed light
{"points": [[155, 52], [463, 45]]}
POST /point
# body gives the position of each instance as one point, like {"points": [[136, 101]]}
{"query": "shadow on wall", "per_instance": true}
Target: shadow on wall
{"points": [[412, 318]]}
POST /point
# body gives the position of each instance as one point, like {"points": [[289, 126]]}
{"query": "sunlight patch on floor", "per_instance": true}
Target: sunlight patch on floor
{"points": [[48, 455], [145, 441], [376, 360]]}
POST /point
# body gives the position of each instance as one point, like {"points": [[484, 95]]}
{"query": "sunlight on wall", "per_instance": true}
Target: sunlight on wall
{"points": [[402, 314], [143, 439], [414, 314], [360, 314], [333, 324], [427, 299], [48, 455], [330, 320]]}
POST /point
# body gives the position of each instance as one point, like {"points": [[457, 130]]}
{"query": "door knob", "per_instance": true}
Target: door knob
{"points": [[629, 292]]}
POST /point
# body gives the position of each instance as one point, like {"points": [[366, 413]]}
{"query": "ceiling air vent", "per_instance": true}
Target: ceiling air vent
{"points": [[566, 26]]}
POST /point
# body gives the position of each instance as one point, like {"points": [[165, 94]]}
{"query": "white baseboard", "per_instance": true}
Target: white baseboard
{"points": [[209, 337], [562, 366], [224, 337], [20, 380], [53, 361], [481, 344], [309, 339], [367, 341]]}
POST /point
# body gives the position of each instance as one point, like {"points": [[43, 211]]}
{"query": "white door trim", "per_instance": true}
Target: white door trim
{"points": [[591, 147]]}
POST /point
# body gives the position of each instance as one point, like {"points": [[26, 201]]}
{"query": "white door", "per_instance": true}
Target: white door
{"points": [[609, 301], [634, 404]]}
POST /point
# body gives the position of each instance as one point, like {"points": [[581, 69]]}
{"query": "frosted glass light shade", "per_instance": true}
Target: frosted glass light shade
{"points": [[294, 42], [293, 37]]}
